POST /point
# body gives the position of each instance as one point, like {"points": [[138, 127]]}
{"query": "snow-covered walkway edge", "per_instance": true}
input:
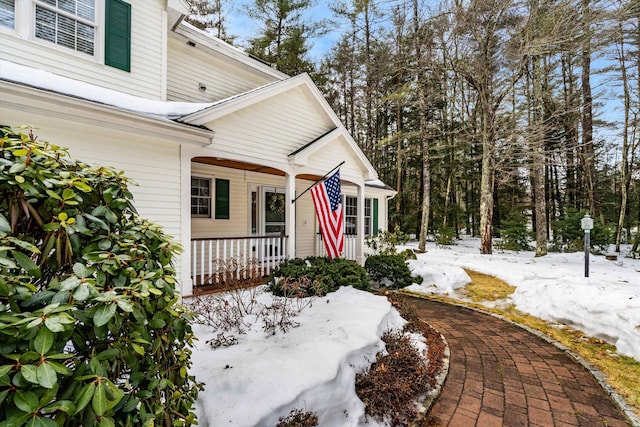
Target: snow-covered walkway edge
{"points": [[311, 367], [605, 305]]}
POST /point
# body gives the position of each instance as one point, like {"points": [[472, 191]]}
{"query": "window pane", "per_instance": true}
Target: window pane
{"points": [[53, 25], [200, 199], [86, 9], [7, 13]]}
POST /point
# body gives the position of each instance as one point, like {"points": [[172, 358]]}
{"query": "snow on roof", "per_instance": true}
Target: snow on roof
{"points": [[46, 80], [378, 184]]}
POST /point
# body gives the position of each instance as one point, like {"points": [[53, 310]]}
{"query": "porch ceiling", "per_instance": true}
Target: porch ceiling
{"points": [[233, 164], [252, 167]]}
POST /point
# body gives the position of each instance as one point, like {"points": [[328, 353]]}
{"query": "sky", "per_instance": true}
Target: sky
{"points": [[242, 26], [313, 366]]}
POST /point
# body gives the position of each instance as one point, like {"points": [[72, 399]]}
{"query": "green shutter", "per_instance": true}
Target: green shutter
{"points": [[117, 46], [375, 217], [222, 199]]}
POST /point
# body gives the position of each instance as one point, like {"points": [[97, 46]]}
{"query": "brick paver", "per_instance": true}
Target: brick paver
{"points": [[502, 375]]}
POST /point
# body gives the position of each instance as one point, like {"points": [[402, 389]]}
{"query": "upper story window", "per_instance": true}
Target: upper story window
{"points": [[77, 25], [7, 13], [69, 23]]}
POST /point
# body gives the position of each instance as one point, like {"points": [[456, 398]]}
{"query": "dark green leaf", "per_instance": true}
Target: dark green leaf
{"points": [[104, 313], [43, 341], [99, 400], [66, 406], [47, 376], [29, 373], [27, 401], [86, 393]]}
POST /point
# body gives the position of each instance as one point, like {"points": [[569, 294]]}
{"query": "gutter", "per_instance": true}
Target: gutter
{"points": [[29, 99]]}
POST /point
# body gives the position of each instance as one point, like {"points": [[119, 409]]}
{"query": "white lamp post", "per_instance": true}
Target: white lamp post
{"points": [[587, 225]]}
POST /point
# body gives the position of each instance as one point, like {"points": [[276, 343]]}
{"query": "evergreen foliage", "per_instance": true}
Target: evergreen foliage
{"points": [[569, 237], [389, 271], [322, 273], [514, 233], [284, 36], [91, 329]]}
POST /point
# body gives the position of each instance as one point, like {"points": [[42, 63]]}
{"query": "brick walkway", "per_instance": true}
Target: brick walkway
{"points": [[501, 375]]}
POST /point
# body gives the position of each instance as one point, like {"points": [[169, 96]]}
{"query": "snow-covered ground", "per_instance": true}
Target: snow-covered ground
{"points": [[312, 367], [605, 305]]}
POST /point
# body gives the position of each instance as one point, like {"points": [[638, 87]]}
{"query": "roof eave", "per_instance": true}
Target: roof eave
{"points": [[52, 104]]}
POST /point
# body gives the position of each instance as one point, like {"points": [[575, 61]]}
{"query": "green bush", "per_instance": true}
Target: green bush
{"points": [[445, 236], [325, 272], [91, 332], [389, 271], [569, 236], [514, 234], [386, 241]]}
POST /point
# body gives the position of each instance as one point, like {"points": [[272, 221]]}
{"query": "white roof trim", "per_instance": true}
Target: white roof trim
{"points": [[19, 97], [302, 157], [244, 100], [223, 48]]}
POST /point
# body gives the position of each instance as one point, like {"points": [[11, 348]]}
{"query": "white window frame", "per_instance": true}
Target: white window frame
{"points": [[368, 217], [346, 207], [211, 196], [25, 28]]}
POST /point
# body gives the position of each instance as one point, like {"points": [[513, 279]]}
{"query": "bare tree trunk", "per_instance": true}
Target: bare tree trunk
{"points": [[424, 137], [588, 152], [625, 178]]}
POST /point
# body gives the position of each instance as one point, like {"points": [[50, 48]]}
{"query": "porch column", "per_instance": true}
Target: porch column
{"points": [[184, 269], [290, 214], [360, 241]]}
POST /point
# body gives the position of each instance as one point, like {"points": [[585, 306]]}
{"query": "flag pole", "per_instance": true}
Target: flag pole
{"points": [[311, 186]]}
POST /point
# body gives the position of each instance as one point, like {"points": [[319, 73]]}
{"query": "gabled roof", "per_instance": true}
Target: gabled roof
{"points": [[221, 47], [301, 155]]}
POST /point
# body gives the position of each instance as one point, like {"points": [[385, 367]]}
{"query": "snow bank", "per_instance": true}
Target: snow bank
{"points": [[311, 367], [553, 287], [436, 279]]}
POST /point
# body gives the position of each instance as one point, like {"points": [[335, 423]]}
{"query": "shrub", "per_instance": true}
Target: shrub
{"points": [[393, 384], [298, 418], [514, 234], [390, 271], [91, 329], [569, 237], [445, 236], [317, 276], [386, 241]]}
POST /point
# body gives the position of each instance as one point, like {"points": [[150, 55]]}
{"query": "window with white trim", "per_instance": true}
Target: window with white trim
{"points": [[68, 23], [200, 197], [367, 217], [88, 27], [350, 215]]}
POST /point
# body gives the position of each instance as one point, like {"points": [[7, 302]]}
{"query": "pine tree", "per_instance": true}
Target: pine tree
{"points": [[209, 15], [283, 38]]}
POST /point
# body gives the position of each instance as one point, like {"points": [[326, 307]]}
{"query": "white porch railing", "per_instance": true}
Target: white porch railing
{"points": [[210, 258], [350, 247]]}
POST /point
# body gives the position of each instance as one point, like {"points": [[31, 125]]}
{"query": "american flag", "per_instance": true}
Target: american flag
{"points": [[327, 199]]}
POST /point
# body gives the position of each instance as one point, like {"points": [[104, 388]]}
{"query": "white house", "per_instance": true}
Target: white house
{"points": [[219, 143]]}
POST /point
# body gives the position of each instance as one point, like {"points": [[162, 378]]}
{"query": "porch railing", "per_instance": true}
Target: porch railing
{"points": [[211, 258], [350, 246]]}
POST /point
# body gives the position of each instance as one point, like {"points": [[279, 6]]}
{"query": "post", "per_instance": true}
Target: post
{"points": [[587, 245], [587, 225]]}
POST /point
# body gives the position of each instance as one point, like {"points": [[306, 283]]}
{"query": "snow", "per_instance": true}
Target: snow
{"points": [[605, 305], [311, 367], [53, 82]]}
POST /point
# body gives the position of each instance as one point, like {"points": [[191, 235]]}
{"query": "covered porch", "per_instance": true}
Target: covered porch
{"points": [[243, 223]]}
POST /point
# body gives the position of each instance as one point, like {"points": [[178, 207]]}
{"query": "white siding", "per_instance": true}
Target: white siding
{"points": [[306, 227], [270, 130], [239, 182], [153, 165], [188, 66], [145, 78]]}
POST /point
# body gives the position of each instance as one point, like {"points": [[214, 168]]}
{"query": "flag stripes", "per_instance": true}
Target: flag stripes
{"points": [[327, 200]]}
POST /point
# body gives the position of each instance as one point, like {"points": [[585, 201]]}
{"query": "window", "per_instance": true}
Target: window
{"points": [[68, 23], [7, 13], [351, 215], [200, 197], [367, 217], [222, 199]]}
